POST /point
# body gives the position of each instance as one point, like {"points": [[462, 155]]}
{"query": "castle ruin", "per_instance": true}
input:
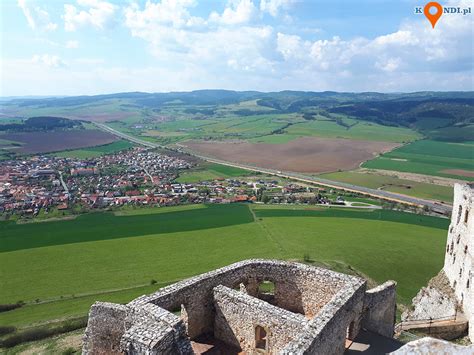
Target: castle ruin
{"points": [[311, 310], [450, 295]]}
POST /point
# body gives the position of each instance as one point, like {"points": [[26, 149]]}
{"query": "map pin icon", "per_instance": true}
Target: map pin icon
{"points": [[433, 18]]}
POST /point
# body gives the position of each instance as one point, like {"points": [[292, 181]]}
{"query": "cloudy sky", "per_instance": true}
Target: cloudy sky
{"points": [[96, 46]]}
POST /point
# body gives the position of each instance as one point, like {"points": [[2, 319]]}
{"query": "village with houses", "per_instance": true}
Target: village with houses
{"points": [[40, 185]]}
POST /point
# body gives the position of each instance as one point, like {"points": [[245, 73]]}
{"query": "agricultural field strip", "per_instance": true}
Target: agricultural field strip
{"points": [[315, 230], [399, 198]]}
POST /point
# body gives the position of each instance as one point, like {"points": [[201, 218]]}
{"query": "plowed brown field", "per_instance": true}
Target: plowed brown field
{"points": [[44, 142], [306, 154]]}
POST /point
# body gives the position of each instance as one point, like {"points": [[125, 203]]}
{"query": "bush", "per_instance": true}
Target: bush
{"points": [[43, 332], [6, 330], [9, 307]]}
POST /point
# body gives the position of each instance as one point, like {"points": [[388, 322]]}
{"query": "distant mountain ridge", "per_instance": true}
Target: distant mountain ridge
{"points": [[437, 115]]}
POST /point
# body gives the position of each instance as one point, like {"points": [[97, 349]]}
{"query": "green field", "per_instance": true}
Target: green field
{"points": [[206, 172], [358, 130], [96, 151], [429, 158], [394, 184], [102, 256]]}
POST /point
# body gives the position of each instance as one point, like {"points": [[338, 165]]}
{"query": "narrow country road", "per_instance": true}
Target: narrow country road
{"points": [[385, 195], [62, 182]]}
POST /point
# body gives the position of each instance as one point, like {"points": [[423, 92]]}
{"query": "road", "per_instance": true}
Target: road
{"points": [[385, 195], [66, 190]]}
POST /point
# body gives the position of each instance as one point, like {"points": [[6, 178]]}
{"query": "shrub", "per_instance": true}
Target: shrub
{"points": [[43, 332], [6, 330], [9, 307]]}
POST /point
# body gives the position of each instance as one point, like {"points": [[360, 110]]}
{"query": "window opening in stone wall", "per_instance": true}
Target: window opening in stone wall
{"points": [[458, 239], [266, 287], [459, 214], [260, 338], [466, 216]]}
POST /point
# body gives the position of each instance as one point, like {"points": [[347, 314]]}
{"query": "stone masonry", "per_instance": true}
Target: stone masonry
{"points": [[311, 311], [451, 293]]}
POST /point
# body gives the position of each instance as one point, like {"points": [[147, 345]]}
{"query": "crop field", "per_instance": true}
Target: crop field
{"points": [[307, 154], [210, 172], [354, 129], [446, 159], [394, 184], [102, 256], [54, 141], [96, 151]]}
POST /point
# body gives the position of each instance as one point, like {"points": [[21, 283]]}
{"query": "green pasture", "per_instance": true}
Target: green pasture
{"points": [[206, 172], [96, 151], [394, 184], [60, 268], [429, 158], [359, 130]]}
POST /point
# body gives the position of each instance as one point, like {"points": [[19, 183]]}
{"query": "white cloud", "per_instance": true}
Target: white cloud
{"points": [[389, 65], [237, 12], [97, 13], [49, 60], [37, 18], [238, 50], [72, 44], [273, 7]]}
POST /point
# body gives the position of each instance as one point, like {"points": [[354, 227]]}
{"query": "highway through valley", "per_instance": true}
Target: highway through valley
{"points": [[385, 195]]}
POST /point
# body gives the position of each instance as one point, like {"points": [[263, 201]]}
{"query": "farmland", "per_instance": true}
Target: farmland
{"points": [[308, 154], [208, 171], [96, 150], [53, 141], [446, 159], [394, 184], [102, 256]]}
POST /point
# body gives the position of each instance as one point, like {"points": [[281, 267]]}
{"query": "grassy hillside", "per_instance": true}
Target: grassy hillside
{"points": [[100, 256]]}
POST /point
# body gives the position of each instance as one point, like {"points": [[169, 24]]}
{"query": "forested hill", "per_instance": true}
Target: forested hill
{"points": [[437, 115]]}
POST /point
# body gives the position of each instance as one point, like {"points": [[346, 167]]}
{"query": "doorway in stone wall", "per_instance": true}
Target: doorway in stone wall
{"points": [[261, 341]]}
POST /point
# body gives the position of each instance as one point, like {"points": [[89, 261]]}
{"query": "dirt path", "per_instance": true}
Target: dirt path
{"points": [[427, 179]]}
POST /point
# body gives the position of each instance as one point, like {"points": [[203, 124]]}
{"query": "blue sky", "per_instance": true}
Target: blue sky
{"points": [[90, 47]]}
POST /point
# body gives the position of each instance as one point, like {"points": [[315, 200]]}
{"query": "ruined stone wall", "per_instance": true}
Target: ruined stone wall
{"points": [[336, 302], [433, 346], [380, 308], [326, 333], [106, 325], [238, 315], [298, 288], [436, 300], [458, 262]]}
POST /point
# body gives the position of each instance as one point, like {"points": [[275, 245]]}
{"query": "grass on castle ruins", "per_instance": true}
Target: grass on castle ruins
{"points": [[59, 268]]}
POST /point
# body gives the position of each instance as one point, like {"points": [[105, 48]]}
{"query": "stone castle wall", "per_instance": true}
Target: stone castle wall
{"points": [[459, 260], [380, 309], [238, 314], [312, 310]]}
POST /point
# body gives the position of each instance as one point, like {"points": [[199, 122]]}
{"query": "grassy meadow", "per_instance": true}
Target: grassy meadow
{"points": [[96, 151], [394, 184], [102, 256], [429, 158], [210, 171]]}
